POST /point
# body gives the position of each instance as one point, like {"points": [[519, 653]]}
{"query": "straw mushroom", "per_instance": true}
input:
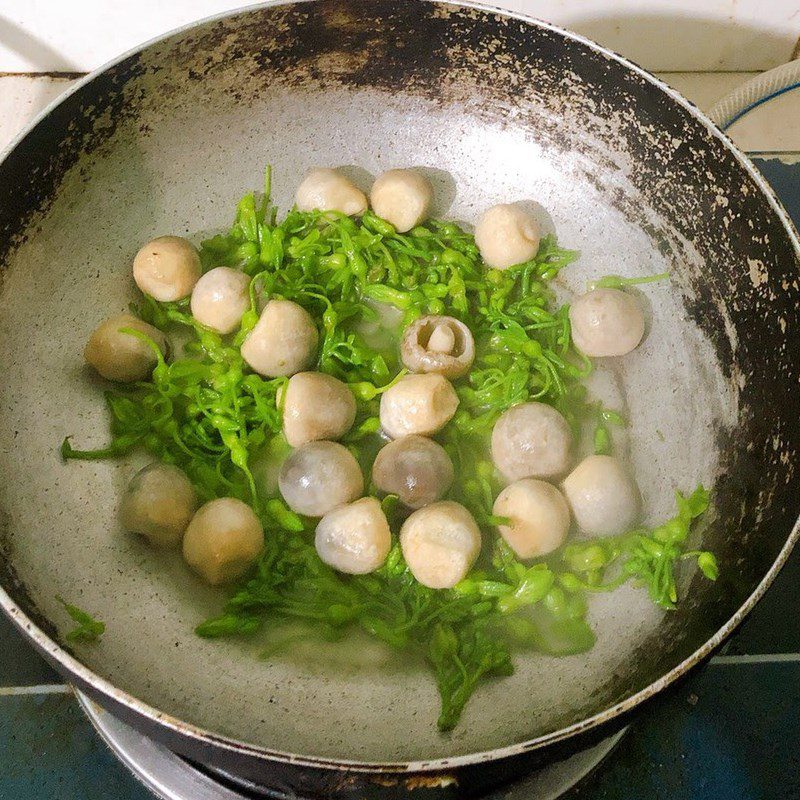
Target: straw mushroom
{"points": [[438, 344], [602, 495], [416, 469], [319, 476], [440, 543], [402, 197], [531, 440], [538, 514], [506, 235], [283, 341], [158, 504], [120, 356], [316, 406], [354, 538], [167, 268], [325, 189], [220, 298], [223, 539], [421, 404], [606, 322]]}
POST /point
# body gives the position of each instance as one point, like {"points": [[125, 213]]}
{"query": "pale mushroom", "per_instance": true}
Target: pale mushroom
{"points": [[416, 469], [283, 341], [319, 476], [531, 440], [167, 268], [158, 504], [438, 344], [402, 197], [606, 322], [354, 538], [220, 298], [121, 356], [507, 235], [316, 406], [223, 539], [421, 404], [538, 517], [326, 189], [440, 543], [603, 496]]}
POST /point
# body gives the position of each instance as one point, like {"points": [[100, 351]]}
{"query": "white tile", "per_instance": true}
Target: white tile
{"points": [[43, 35]]}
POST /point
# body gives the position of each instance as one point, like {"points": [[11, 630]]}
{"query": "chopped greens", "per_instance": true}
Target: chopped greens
{"points": [[205, 411], [87, 628]]}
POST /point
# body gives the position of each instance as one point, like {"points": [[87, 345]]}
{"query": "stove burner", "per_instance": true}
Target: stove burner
{"points": [[171, 777]]}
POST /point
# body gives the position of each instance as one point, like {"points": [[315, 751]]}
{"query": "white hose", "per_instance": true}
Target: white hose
{"points": [[756, 91]]}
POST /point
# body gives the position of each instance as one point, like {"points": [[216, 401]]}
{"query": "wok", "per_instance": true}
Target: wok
{"points": [[496, 107]]}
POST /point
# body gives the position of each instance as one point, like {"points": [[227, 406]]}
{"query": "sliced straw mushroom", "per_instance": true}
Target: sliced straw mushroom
{"points": [[438, 344], [223, 539], [354, 538], [220, 298], [120, 356], [316, 406], [283, 341], [158, 504], [402, 197], [538, 517], [507, 235], [606, 322], [416, 469], [440, 543], [421, 404], [602, 495], [325, 189], [531, 440], [319, 476], [167, 268]]}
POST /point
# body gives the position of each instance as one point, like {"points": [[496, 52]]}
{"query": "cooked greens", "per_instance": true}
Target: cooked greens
{"points": [[87, 628], [206, 412]]}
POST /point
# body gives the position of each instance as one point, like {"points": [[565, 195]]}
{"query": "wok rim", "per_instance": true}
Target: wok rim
{"points": [[85, 676]]}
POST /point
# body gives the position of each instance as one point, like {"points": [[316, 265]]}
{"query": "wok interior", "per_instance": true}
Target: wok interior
{"points": [[495, 110]]}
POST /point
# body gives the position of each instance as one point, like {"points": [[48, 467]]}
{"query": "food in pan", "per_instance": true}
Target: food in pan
{"points": [[379, 420]]}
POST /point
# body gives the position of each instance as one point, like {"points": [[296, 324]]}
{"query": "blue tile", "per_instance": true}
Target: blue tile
{"points": [[785, 180], [20, 664], [49, 751], [729, 733]]}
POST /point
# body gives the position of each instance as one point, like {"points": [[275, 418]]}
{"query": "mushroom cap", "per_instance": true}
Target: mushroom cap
{"points": [[416, 469], [220, 299], [439, 344], [316, 406], [119, 356], [421, 404], [223, 539], [283, 341], [167, 268], [507, 235], [531, 440], [539, 517], [606, 322], [319, 476], [325, 189], [440, 543], [158, 504], [402, 197], [354, 538], [603, 496]]}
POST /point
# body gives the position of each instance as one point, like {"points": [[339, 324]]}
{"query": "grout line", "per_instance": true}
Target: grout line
{"points": [[67, 76], [761, 658], [42, 688]]}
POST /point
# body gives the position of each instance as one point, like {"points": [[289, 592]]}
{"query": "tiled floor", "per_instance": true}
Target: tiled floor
{"points": [[729, 733]]}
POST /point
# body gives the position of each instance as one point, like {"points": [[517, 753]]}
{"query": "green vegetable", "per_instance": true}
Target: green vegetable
{"points": [[205, 411], [87, 628]]}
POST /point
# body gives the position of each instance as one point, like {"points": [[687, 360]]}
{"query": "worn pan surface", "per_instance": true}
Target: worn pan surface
{"points": [[497, 108]]}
